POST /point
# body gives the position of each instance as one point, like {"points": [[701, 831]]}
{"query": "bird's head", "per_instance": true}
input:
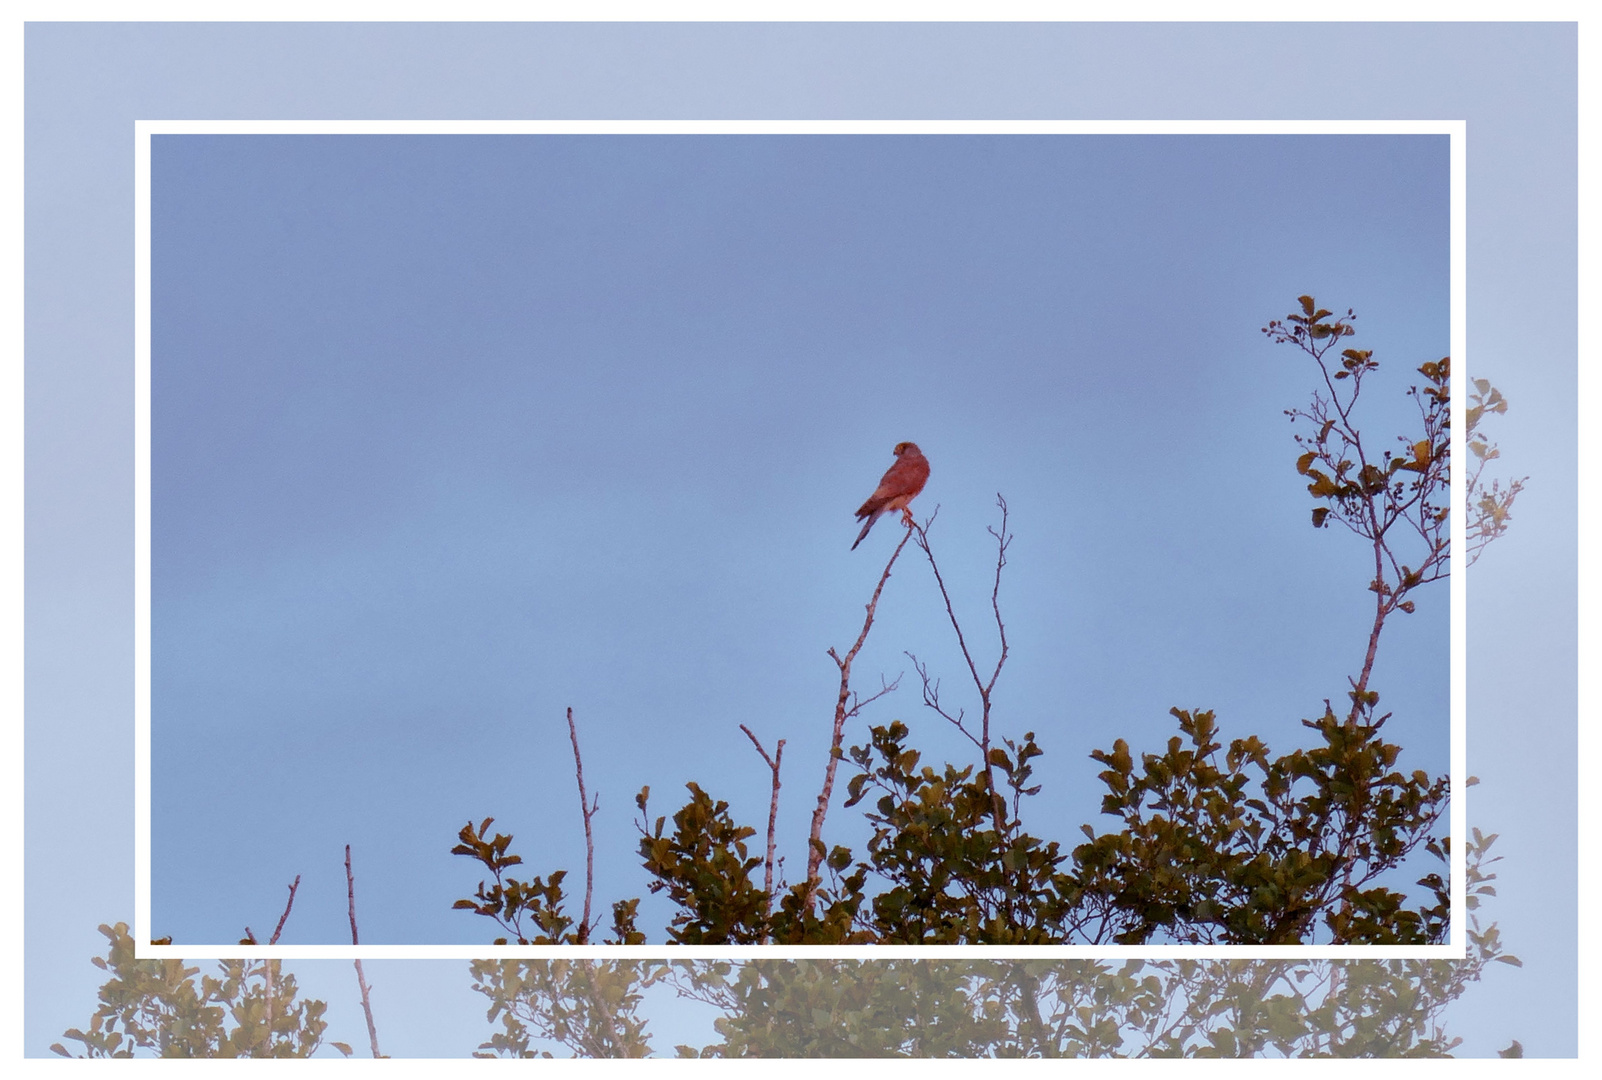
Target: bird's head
{"points": [[906, 448]]}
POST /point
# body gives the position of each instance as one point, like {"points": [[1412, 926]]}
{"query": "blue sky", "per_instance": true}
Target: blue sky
{"points": [[87, 83], [451, 433]]}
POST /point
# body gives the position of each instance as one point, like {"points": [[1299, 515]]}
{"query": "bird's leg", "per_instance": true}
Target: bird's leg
{"points": [[906, 517]]}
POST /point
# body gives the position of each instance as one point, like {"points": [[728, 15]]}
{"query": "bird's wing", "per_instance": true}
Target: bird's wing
{"points": [[873, 515], [876, 502], [904, 479], [900, 483]]}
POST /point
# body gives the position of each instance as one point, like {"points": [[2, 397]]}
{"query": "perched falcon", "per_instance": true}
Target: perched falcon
{"points": [[900, 485]]}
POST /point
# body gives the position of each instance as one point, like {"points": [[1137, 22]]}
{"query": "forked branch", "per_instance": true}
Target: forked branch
{"points": [[1367, 494], [846, 705], [773, 764], [985, 687]]}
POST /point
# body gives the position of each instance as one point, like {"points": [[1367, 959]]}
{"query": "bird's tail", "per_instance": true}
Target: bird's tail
{"points": [[871, 519]]}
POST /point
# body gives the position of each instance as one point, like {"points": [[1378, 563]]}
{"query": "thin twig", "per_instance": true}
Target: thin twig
{"points": [[985, 688], [589, 838], [931, 698], [1368, 512], [268, 972], [844, 708], [355, 939], [279, 929], [1002, 541], [773, 809]]}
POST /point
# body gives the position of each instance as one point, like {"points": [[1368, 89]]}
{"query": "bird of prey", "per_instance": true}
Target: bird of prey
{"points": [[900, 485]]}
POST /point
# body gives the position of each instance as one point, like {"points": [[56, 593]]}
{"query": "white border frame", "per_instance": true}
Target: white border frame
{"points": [[1456, 948]]}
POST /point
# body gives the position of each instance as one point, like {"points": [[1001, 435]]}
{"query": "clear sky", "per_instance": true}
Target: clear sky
{"points": [[451, 433]]}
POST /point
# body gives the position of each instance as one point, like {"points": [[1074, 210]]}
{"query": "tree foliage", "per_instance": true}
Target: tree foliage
{"points": [[1214, 839], [1216, 842], [1004, 1009], [160, 1007]]}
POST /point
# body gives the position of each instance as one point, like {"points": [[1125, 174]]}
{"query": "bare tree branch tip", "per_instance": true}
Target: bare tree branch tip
{"points": [[355, 939], [279, 929], [588, 811]]}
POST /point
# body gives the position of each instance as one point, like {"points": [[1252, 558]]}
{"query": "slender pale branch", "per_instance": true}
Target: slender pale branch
{"points": [[279, 929], [355, 939], [844, 708], [588, 809], [773, 764], [269, 973]]}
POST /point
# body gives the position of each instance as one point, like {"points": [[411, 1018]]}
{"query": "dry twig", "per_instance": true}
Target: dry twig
{"points": [[986, 687], [279, 929], [268, 971], [773, 807], [588, 809], [355, 939], [846, 705]]}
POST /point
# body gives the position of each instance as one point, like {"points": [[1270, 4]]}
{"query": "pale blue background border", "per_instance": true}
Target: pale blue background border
{"points": [[1514, 84]]}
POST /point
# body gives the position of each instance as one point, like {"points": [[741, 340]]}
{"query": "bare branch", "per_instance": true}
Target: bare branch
{"points": [[1003, 540], [355, 939], [985, 688], [588, 809], [962, 642], [931, 698], [857, 703], [1363, 495], [843, 709], [279, 929], [773, 811], [269, 967]]}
